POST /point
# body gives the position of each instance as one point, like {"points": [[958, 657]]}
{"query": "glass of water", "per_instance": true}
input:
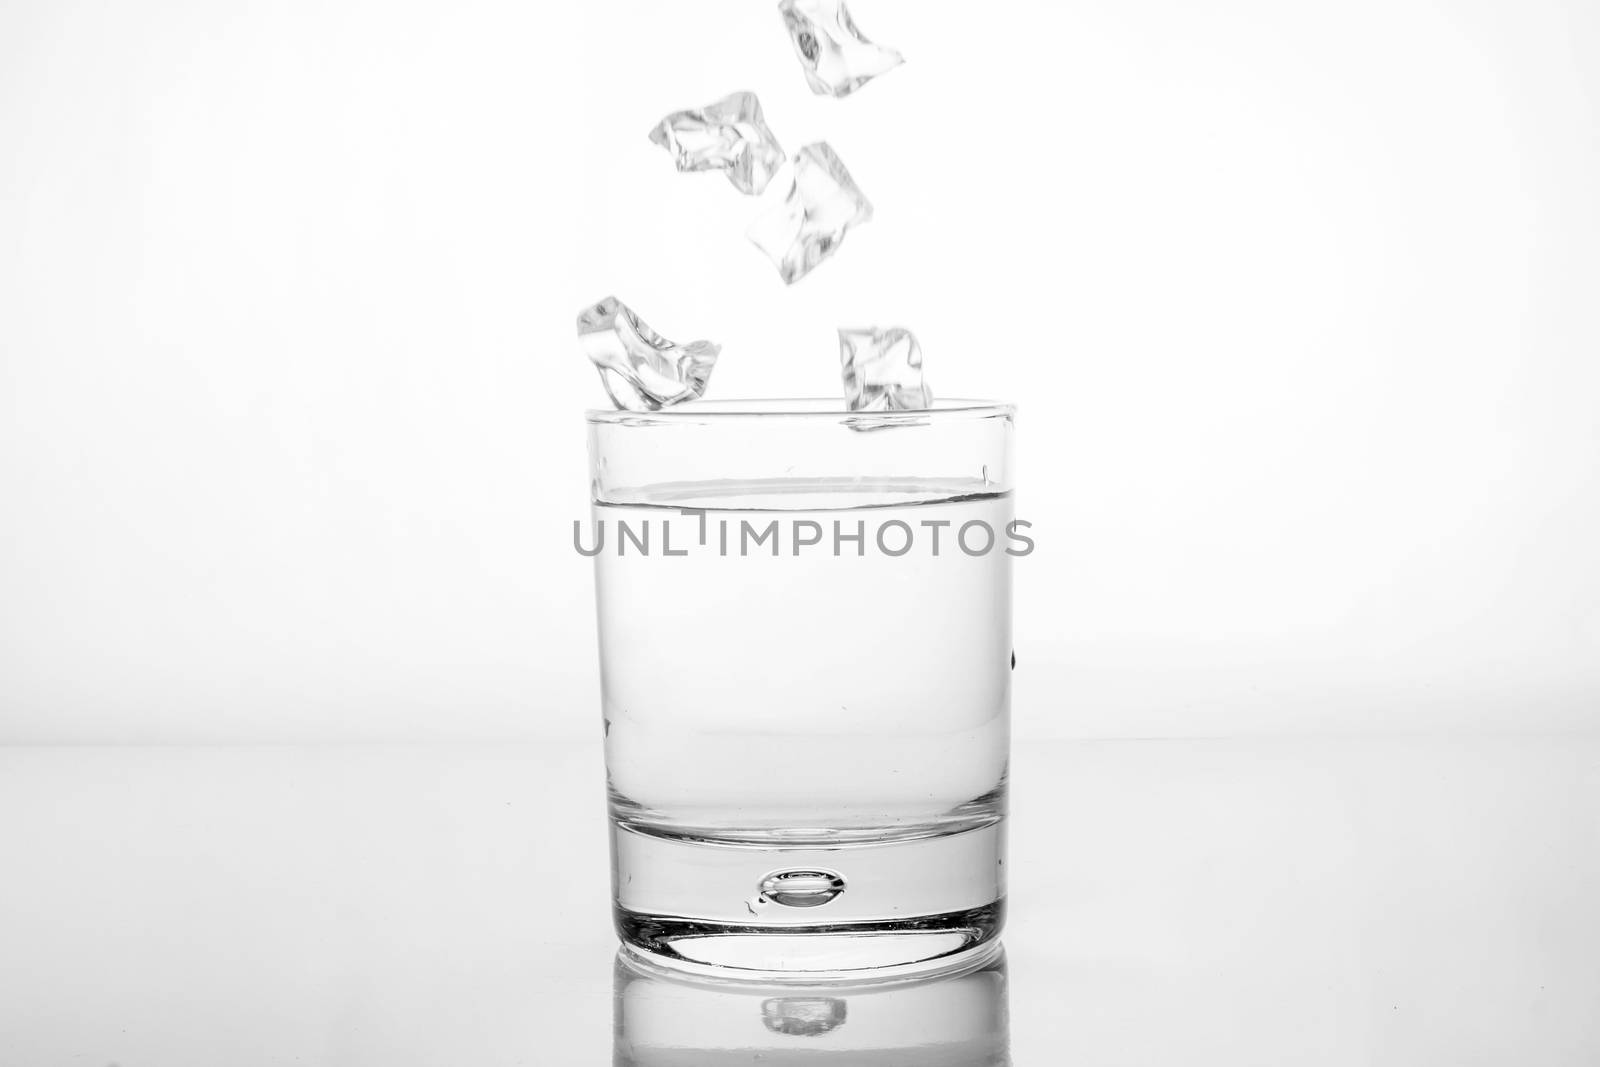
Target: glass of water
{"points": [[805, 648]]}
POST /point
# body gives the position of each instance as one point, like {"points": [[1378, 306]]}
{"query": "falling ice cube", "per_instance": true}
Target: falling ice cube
{"points": [[822, 204], [729, 135], [837, 59], [882, 370], [642, 370]]}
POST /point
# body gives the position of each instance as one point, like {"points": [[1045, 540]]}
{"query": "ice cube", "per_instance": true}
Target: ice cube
{"points": [[641, 370], [729, 135], [882, 370], [821, 205], [837, 59]]}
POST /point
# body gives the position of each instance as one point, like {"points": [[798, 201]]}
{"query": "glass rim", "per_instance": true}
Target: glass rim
{"points": [[814, 409]]}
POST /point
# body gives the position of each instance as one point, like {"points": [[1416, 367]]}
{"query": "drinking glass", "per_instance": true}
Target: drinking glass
{"points": [[805, 650]]}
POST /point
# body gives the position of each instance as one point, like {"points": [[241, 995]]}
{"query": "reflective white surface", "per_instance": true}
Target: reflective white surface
{"points": [[1403, 902]]}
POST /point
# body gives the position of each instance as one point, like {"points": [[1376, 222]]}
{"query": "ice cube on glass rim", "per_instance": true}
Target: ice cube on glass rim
{"points": [[882, 369]]}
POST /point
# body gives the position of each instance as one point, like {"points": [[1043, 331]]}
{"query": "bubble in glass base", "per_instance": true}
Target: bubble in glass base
{"points": [[912, 907]]}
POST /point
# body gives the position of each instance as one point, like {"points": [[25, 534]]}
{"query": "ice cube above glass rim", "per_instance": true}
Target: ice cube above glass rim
{"points": [[641, 370], [730, 135], [838, 59], [823, 203]]}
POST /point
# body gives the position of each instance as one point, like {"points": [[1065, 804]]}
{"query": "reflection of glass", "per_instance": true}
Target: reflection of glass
{"points": [[804, 1016], [805, 643], [665, 1018]]}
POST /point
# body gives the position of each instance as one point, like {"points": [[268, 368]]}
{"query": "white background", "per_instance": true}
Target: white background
{"points": [[1298, 301]]}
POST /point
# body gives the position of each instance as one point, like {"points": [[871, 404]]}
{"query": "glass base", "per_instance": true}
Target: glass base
{"points": [[885, 909]]}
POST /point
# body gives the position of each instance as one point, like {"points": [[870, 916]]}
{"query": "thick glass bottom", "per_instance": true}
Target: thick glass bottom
{"points": [[920, 947], [852, 911]]}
